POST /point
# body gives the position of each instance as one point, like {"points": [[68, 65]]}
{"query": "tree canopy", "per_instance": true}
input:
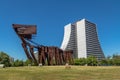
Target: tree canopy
{"points": [[4, 59]]}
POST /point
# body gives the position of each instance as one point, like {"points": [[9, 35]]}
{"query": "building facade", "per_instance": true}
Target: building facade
{"points": [[82, 38]]}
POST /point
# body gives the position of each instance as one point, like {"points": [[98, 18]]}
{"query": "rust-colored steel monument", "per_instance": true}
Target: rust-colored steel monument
{"points": [[49, 55]]}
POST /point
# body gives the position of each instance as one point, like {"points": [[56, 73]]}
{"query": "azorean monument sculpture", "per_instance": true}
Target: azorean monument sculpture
{"points": [[49, 55]]}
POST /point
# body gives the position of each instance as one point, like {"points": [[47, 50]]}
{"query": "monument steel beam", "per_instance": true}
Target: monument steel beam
{"points": [[26, 51], [32, 53]]}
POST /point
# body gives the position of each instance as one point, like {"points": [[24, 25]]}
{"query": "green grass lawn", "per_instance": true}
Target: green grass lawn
{"points": [[60, 73]]}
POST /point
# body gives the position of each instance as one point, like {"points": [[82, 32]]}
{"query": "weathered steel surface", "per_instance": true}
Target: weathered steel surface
{"points": [[25, 31]]}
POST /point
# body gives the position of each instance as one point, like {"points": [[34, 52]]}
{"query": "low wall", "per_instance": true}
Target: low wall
{"points": [[2, 65]]}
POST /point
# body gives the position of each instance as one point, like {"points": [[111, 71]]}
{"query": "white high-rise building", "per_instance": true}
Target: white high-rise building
{"points": [[81, 37]]}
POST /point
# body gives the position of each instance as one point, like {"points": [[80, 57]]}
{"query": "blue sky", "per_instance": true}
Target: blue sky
{"points": [[51, 16]]}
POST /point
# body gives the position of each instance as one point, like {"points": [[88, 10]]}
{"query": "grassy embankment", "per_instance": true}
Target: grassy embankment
{"points": [[60, 73]]}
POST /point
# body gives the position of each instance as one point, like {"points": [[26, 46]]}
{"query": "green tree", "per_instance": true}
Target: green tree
{"points": [[0, 59], [76, 62], [18, 63], [103, 62], [27, 62], [116, 59], [80, 61], [92, 61], [4, 59]]}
